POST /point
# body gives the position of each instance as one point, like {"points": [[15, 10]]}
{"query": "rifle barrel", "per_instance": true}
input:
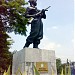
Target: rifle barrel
{"points": [[47, 7]]}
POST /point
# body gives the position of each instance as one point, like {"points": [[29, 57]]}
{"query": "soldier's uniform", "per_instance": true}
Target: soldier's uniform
{"points": [[36, 33]]}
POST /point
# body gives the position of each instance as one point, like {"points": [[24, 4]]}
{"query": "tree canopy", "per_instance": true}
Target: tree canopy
{"points": [[11, 14]]}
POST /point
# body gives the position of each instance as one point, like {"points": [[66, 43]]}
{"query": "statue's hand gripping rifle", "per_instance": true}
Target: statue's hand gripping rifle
{"points": [[35, 15]]}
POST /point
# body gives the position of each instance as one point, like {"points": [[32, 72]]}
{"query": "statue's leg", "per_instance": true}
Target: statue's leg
{"points": [[33, 34], [26, 44], [36, 43]]}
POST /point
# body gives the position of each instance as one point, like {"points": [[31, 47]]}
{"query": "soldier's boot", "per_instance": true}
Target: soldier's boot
{"points": [[27, 44], [35, 45]]}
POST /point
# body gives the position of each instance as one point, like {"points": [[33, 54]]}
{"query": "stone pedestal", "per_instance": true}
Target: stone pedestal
{"points": [[25, 59]]}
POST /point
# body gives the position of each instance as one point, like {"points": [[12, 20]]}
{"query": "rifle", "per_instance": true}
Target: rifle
{"points": [[46, 9]]}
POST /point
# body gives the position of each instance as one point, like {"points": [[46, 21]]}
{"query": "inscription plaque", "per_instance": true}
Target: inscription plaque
{"points": [[42, 66]]}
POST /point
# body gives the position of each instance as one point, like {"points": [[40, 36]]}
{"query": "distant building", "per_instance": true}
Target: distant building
{"points": [[72, 67], [72, 64]]}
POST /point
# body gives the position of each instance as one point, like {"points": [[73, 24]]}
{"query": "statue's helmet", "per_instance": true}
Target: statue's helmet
{"points": [[33, 2]]}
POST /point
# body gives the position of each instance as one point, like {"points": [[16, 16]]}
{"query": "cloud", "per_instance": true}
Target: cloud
{"points": [[72, 40], [58, 45], [47, 44], [52, 28]]}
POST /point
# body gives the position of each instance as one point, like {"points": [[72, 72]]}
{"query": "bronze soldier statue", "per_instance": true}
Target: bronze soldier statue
{"points": [[36, 33]]}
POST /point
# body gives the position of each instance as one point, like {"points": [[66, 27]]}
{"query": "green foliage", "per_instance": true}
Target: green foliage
{"points": [[58, 65], [11, 19], [13, 16], [5, 55], [36, 71]]}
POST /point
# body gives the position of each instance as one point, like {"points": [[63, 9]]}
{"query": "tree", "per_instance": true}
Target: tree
{"points": [[11, 19], [12, 16], [58, 65], [5, 55]]}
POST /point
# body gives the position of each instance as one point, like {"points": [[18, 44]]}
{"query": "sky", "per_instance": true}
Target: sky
{"points": [[58, 29]]}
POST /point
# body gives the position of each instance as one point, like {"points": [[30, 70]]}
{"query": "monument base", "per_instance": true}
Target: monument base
{"points": [[25, 60]]}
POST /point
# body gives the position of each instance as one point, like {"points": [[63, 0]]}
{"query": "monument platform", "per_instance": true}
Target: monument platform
{"points": [[25, 59]]}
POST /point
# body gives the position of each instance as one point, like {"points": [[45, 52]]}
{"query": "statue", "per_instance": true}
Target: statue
{"points": [[36, 33]]}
